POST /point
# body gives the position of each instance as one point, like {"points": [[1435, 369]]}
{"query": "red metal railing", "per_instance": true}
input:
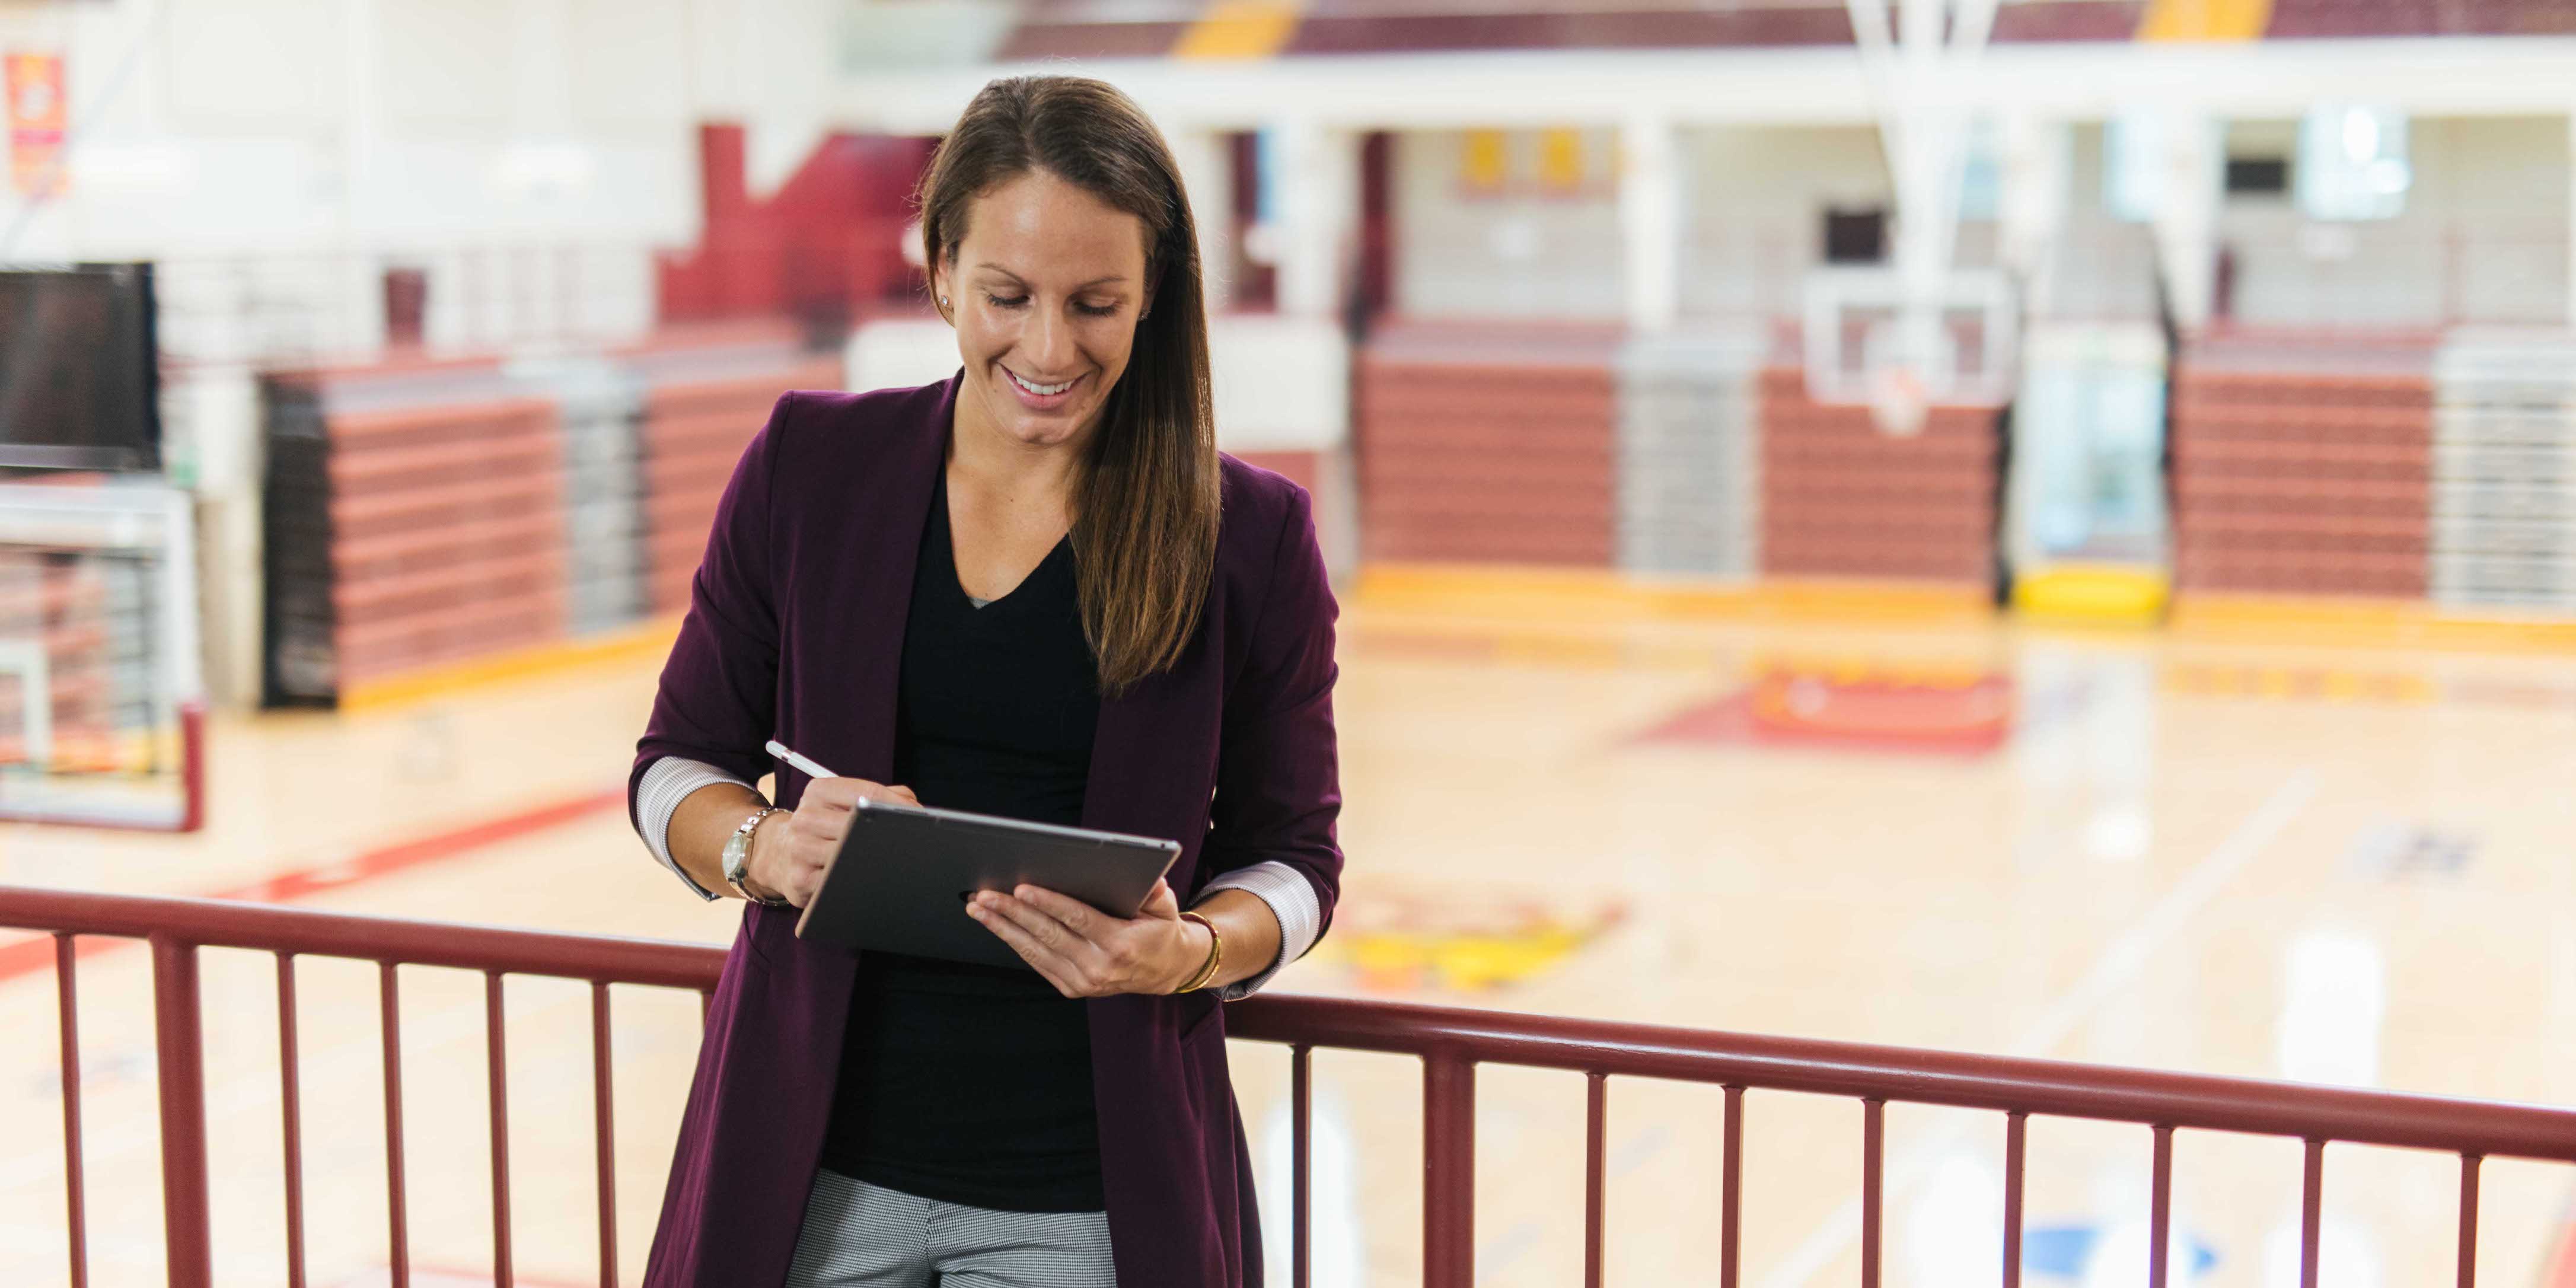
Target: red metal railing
{"points": [[1450, 1042], [176, 928]]}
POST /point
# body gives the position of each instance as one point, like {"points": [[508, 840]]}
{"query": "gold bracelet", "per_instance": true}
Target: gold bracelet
{"points": [[1216, 955]]}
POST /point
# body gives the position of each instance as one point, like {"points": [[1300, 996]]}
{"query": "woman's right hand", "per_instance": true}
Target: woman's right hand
{"points": [[791, 848]]}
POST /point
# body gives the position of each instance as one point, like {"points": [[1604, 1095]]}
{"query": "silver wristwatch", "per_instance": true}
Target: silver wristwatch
{"points": [[737, 856]]}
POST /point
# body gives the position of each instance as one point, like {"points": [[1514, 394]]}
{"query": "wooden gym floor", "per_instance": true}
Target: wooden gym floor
{"points": [[2223, 855]]}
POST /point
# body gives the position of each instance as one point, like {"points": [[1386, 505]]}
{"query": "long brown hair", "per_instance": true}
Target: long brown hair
{"points": [[1145, 502]]}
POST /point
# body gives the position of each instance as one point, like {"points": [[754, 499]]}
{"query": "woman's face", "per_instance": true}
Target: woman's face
{"points": [[1044, 291]]}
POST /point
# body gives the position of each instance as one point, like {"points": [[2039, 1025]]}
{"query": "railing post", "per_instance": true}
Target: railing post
{"points": [[603, 1098], [75, 1186], [496, 1051], [2311, 1209], [397, 1202], [2160, 1210], [2469, 1220], [1301, 1099], [1596, 1176], [291, 1105], [1731, 1193], [2016, 1146], [182, 1078], [1873, 1164], [1448, 1171]]}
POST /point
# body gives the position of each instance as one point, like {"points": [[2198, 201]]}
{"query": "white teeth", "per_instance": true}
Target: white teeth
{"points": [[1042, 391]]}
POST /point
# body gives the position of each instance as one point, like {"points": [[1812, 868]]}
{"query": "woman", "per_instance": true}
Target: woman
{"points": [[1036, 590]]}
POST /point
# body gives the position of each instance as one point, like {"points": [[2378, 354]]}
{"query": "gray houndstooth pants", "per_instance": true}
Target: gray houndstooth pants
{"points": [[859, 1235]]}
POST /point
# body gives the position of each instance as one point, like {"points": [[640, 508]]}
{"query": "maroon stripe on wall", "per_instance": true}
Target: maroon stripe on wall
{"points": [[2070, 20], [1035, 40], [2295, 19], [1345, 27], [1637, 29]]}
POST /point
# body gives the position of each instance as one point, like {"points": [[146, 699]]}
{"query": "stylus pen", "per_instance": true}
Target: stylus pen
{"points": [[809, 768]]}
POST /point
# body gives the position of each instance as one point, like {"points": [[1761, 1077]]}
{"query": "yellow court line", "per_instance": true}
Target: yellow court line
{"points": [[1601, 594], [2206, 20], [1606, 596], [2273, 619], [2331, 684], [646, 639], [1240, 29]]}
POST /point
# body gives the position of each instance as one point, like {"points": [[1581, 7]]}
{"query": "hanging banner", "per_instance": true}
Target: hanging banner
{"points": [[38, 115]]}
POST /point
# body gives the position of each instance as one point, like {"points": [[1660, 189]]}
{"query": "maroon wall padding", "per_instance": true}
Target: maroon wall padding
{"points": [[827, 246], [2302, 483], [2344, 19], [1375, 27], [1364, 28], [1072, 29], [447, 533], [417, 510], [1487, 446], [1842, 499], [1091, 40], [2069, 20], [693, 433]]}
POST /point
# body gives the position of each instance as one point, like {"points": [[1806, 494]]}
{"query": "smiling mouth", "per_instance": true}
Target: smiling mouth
{"points": [[1042, 391]]}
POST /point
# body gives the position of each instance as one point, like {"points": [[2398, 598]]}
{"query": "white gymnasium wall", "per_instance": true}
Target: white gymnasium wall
{"points": [[1754, 209], [1553, 258], [898, 353], [2105, 267], [285, 152], [276, 157], [1282, 383], [2483, 237], [1754, 199]]}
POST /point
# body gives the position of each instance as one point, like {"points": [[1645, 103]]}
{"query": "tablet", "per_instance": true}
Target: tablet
{"points": [[903, 874]]}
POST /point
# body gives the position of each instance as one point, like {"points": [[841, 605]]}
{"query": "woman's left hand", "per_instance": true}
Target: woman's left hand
{"points": [[1087, 953]]}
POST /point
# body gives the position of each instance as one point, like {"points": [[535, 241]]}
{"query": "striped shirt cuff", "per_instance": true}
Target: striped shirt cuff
{"points": [[666, 783], [1292, 900]]}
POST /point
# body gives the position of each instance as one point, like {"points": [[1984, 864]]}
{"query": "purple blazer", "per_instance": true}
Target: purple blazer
{"points": [[795, 631]]}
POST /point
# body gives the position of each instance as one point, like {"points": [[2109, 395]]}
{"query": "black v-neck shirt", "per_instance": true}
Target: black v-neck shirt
{"points": [[960, 1082]]}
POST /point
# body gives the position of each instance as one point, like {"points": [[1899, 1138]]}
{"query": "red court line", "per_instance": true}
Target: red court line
{"points": [[36, 952]]}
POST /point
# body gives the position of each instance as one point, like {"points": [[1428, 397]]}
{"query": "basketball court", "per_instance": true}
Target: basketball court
{"points": [[2330, 864], [2039, 529]]}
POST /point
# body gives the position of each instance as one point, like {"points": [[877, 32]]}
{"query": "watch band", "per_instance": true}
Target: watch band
{"points": [[737, 856]]}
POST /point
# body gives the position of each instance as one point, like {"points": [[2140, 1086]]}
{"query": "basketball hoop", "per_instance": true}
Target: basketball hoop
{"points": [[1930, 332], [1962, 353]]}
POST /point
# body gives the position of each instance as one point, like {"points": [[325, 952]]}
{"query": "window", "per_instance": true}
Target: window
{"points": [[1856, 236], [2258, 176]]}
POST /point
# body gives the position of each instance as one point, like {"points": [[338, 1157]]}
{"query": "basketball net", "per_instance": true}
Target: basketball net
{"points": [[1898, 401]]}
